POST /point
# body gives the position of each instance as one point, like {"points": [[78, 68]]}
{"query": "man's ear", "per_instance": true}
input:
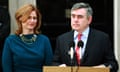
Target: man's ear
{"points": [[89, 19]]}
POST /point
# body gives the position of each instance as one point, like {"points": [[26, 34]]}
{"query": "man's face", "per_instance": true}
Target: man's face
{"points": [[79, 19]]}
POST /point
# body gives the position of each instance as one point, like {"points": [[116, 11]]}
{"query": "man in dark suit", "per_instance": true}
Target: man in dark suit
{"points": [[96, 50]]}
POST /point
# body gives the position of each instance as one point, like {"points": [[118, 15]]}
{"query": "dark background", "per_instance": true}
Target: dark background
{"points": [[54, 21], [4, 3], [4, 25]]}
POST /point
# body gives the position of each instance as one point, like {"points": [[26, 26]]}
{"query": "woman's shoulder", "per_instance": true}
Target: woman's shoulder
{"points": [[11, 36]]}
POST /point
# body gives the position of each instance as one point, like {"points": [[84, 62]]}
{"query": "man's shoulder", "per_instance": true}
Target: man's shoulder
{"points": [[98, 32]]}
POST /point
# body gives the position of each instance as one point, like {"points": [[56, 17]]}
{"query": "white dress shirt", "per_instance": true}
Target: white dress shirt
{"points": [[83, 38]]}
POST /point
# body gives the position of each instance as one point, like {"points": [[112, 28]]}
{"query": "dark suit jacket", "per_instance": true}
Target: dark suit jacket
{"points": [[98, 50]]}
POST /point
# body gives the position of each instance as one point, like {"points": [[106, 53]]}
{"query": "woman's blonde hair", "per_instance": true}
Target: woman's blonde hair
{"points": [[22, 15]]}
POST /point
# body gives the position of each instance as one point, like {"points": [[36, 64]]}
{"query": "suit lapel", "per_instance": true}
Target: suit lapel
{"points": [[88, 46], [70, 36]]}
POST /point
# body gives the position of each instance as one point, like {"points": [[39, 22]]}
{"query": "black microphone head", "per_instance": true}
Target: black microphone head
{"points": [[80, 44], [72, 44]]}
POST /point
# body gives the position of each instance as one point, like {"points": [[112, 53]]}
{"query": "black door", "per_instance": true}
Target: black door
{"points": [[55, 20]]}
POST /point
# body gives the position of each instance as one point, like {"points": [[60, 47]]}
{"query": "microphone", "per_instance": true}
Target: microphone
{"points": [[80, 44], [71, 52]]}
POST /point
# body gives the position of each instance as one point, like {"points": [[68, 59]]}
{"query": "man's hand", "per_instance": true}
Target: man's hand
{"points": [[62, 65], [99, 66]]}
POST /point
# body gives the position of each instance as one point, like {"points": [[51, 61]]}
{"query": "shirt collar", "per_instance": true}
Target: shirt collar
{"points": [[84, 33]]}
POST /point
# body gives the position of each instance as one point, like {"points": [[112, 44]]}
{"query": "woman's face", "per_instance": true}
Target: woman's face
{"points": [[31, 22]]}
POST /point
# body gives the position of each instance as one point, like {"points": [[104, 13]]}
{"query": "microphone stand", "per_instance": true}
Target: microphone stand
{"points": [[71, 65], [71, 52], [71, 56], [80, 44], [77, 67]]}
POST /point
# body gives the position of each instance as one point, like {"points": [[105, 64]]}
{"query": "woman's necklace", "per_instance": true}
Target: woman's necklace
{"points": [[28, 40]]}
